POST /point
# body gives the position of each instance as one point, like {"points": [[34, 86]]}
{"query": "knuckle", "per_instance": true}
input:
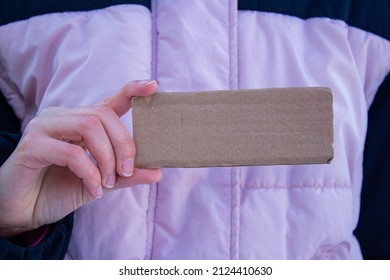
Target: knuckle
{"points": [[88, 122], [32, 133], [106, 159], [32, 126], [126, 141], [46, 112], [38, 123], [91, 175], [28, 140], [30, 137], [103, 109], [74, 152], [127, 147]]}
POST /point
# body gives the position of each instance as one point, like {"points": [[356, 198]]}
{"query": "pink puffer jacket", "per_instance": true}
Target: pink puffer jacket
{"points": [[280, 212]]}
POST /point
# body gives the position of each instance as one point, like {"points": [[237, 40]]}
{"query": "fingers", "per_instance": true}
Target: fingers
{"points": [[140, 176], [121, 101], [72, 156], [87, 129], [75, 158], [115, 106], [120, 139], [100, 130]]}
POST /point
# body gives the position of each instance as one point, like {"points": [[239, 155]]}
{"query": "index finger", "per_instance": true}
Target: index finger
{"points": [[121, 101]]}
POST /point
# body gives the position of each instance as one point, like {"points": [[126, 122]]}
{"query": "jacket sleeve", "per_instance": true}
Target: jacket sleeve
{"points": [[55, 237], [53, 246]]}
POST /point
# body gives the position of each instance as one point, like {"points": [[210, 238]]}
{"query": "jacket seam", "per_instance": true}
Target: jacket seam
{"points": [[232, 41], [154, 39], [234, 213], [150, 219], [153, 188]]}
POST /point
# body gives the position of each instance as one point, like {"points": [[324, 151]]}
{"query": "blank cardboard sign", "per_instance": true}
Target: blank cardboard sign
{"points": [[275, 126]]}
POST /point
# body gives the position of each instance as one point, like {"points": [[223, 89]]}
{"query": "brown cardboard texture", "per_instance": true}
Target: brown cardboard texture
{"points": [[234, 128]]}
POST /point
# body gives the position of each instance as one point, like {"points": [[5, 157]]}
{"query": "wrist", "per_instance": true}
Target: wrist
{"points": [[25, 237], [9, 232], [30, 238]]}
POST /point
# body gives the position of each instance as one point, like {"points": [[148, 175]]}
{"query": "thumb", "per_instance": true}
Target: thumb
{"points": [[121, 101]]}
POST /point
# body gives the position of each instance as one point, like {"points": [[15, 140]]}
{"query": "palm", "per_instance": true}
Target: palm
{"points": [[61, 193]]}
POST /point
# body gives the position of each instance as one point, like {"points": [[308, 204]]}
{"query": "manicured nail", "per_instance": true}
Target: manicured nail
{"points": [[146, 82], [110, 181], [127, 167], [99, 192]]}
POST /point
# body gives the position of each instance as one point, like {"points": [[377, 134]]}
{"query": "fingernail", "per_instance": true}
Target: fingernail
{"points": [[146, 82], [127, 167], [110, 181], [99, 192]]}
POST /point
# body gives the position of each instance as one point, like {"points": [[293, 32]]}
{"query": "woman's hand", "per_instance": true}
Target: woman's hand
{"points": [[51, 172]]}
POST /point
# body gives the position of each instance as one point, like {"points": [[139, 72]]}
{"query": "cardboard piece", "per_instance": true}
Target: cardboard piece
{"points": [[234, 128]]}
